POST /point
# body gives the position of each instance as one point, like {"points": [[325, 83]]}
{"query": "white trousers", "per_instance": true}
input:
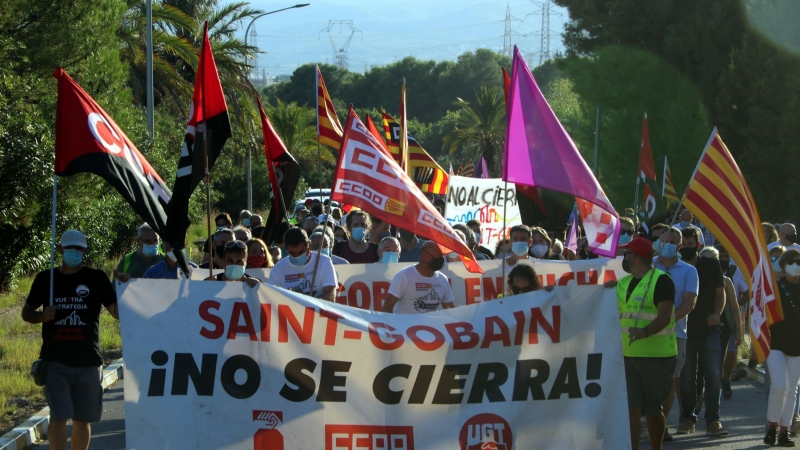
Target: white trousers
{"points": [[784, 373]]}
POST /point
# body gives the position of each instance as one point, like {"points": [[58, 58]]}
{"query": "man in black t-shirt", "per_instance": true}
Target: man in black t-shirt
{"points": [[703, 339], [71, 340]]}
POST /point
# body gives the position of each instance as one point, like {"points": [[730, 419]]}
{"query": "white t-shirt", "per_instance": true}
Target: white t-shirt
{"points": [[419, 294], [772, 245], [298, 278]]}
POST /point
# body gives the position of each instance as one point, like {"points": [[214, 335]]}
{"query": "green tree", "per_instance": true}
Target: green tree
{"points": [[480, 126]]}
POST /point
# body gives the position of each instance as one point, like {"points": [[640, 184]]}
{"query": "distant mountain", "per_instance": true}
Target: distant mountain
{"points": [[425, 29]]}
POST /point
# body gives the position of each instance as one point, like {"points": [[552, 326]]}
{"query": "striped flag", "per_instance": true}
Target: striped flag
{"points": [[668, 193], [329, 130], [719, 197], [468, 170], [422, 168]]}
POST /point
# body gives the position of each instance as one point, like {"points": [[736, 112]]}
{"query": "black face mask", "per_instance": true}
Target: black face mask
{"points": [[436, 263], [626, 265], [220, 249], [724, 264], [791, 238], [688, 253], [407, 235]]}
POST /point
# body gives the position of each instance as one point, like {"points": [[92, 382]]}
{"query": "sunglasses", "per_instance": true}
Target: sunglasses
{"points": [[517, 290], [628, 232], [232, 244]]}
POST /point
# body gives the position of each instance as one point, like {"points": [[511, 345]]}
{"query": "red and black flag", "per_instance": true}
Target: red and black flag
{"points": [[284, 173], [88, 140], [207, 131]]}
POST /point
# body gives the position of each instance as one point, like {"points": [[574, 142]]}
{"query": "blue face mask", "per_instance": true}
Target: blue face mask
{"points": [[669, 250], [685, 224], [72, 258], [359, 234], [519, 248], [326, 251], [234, 271], [390, 257], [246, 222], [150, 250], [624, 239], [657, 247], [299, 260]]}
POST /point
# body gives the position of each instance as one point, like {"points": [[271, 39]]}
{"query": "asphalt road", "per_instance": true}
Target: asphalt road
{"points": [[743, 416]]}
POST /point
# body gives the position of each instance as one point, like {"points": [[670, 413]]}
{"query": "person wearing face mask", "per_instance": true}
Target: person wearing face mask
{"points": [[223, 220], [686, 219], [410, 246], [234, 258], [389, 250], [316, 240], [257, 255], [684, 278], [221, 237], [787, 237], [168, 268], [783, 360], [475, 226], [541, 246], [71, 339], [703, 339], [420, 288], [626, 230], [453, 256], [356, 249], [296, 272], [134, 264], [469, 237], [244, 218], [255, 221], [379, 230], [309, 224], [645, 299]]}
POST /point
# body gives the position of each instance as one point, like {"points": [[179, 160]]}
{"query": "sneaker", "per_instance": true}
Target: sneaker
{"points": [[784, 440], [667, 436], [772, 435], [715, 429], [685, 427], [727, 392], [795, 428], [738, 375]]}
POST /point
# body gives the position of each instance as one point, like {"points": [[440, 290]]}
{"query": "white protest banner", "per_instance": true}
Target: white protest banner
{"points": [[365, 285], [217, 365], [482, 199]]}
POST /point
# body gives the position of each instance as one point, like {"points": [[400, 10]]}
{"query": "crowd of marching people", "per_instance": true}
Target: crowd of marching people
{"points": [[683, 307]]}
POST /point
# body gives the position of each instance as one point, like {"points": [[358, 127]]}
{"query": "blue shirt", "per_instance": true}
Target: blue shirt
{"points": [[684, 276], [163, 272], [412, 255]]}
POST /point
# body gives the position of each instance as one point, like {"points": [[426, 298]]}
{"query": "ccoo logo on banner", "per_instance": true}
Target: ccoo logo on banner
{"points": [[219, 365]]}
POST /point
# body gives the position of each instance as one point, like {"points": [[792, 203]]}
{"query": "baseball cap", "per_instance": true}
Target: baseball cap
{"points": [[641, 246], [73, 237], [300, 208]]}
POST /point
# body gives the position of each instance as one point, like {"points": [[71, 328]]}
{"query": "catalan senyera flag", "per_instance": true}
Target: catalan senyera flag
{"points": [[719, 197], [668, 193], [329, 130], [468, 170], [427, 174]]}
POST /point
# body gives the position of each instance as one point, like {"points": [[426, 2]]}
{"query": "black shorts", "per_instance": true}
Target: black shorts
{"points": [[74, 392], [649, 381]]}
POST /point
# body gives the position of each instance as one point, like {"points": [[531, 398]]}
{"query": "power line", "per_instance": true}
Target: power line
{"points": [[507, 46], [340, 57], [545, 9]]}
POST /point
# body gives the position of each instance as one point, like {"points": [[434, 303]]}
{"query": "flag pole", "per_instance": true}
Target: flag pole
{"points": [[636, 201], [53, 240], [208, 199], [505, 202]]}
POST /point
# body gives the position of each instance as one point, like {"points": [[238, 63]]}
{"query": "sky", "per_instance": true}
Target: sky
{"points": [[389, 31]]}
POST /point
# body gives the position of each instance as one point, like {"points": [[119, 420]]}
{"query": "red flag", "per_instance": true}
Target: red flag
{"points": [[647, 172], [370, 179], [278, 160], [506, 84], [374, 130], [208, 121]]}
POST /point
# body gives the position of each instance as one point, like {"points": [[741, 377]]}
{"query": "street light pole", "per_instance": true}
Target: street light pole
{"points": [[149, 70], [249, 151]]}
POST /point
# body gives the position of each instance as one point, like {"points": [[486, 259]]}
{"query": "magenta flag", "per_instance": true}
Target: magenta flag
{"points": [[572, 234], [544, 156], [484, 168]]}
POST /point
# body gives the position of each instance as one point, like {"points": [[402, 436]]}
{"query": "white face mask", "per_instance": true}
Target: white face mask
{"points": [[539, 250], [793, 270]]}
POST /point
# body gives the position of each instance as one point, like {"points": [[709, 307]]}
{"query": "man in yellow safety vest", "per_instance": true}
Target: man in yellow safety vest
{"points": [[646, 300]]}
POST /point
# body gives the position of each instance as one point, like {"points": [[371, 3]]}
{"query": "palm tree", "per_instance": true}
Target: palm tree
{"points": [[480, 125]]}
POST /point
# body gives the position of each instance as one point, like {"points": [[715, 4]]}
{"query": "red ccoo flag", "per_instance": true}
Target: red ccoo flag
{"points": [[207, 130], [647, 173], [370, 179]]}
